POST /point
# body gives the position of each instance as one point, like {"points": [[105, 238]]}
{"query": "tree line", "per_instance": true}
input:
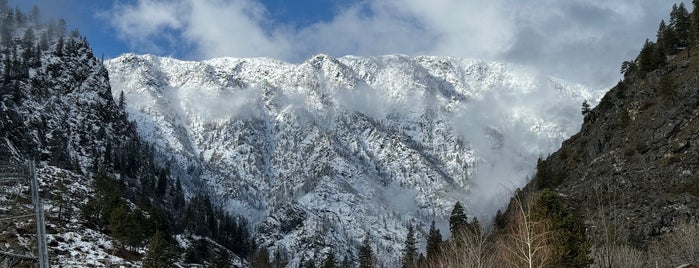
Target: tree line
{"points": [[136, 200], [681, 33]]}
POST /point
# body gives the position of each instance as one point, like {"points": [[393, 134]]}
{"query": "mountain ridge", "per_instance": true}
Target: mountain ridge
{"points": [[313, 143]]}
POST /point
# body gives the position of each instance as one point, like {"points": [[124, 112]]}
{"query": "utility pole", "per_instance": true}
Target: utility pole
{"points": [[13, 171], [43, 257]]}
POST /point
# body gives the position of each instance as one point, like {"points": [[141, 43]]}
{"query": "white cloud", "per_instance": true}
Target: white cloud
{"points": [[582, 40], [137, 23]]}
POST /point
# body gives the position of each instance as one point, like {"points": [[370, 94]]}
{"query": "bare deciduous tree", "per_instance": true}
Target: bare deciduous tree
{"points": [[681, 246], [528, 242], [468, 250]]}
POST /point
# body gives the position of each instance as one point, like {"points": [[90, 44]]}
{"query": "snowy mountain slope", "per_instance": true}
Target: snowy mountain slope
{"points": [[322, 153]]}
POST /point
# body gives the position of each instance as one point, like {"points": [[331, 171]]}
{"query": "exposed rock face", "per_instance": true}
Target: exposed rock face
{"points": [[636, 158], [320, 154]]}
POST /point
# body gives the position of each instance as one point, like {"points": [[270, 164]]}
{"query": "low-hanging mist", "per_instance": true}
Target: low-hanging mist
{"points": [[322, 153]]}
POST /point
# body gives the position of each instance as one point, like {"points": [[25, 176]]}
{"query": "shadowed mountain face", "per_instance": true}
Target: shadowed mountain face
{"points": [[633, 166], [322, 153]]}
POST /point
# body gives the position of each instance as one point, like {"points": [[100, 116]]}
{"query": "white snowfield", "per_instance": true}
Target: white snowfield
{"points": [[319, 154]]}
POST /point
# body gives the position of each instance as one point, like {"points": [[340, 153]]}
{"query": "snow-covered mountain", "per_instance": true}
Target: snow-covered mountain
{"points": [[322, 153]]}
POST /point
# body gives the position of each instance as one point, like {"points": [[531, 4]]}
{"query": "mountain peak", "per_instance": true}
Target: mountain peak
{"points": [[349, 146]]}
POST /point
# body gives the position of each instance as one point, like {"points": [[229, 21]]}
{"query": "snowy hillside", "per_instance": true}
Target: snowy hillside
{"points": [[320, 154]]}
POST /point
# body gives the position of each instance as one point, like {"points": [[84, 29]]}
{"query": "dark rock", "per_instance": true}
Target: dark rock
{"points": [[638, 152]]}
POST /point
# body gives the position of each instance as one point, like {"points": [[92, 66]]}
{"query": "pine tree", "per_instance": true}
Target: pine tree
{"points": [[279, 260], [366, 254], [36, 15], [122, 102], [19, 17], [59, 47], [500, 220], [161, 185], [61, 28], [261, 259], [421, 261], [680, 22], [584, 110], [645, 58], [221, 259], [6, 31], [119, 226], [44, 42], [661, 31], [457, 220], [329, 261], [434, 242], [159, 253], [308, 264], [694, 27], [568, 226], [345, 262], [666, 39], [410, 249]]}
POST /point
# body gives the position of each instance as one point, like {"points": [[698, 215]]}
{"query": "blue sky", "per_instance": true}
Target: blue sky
{"points": [[89, 17], [580, 40]]}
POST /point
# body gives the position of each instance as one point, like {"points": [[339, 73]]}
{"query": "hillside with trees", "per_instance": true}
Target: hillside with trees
{"points": [[105, 181]]}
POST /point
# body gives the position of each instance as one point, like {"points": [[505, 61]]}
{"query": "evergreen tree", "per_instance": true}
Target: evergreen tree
{"points": [[28, 53], [159, 253], [666, 39], [329, 261], [434, 242], [20, 17], [279, 260], [646, 58], [573, 245], [457, 220], [421, 261], [661, 31], [680, 22], [410, 249], [44, 42], [261, 259], [307, 264], [59, 47], [177, 195], [119, 225], [585, 109], [694, 27], [345, 262], [221, 259], [6, 31], [366, 254], [500, 220], [161, 185], [122, 101], [61, 28], [36, 16], [51, 29], [197, 252]]}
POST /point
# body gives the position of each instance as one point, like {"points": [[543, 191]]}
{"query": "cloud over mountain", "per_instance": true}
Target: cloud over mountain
{"points": [[579, 40]]}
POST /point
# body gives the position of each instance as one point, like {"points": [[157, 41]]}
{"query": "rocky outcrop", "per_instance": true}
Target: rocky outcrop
{"points": [[635, 161]]}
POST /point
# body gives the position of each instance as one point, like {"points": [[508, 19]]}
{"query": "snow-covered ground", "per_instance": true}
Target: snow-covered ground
{"points": [[319, 154]]}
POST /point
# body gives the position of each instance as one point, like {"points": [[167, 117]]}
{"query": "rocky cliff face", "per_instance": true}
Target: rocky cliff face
{"points": [[322, 153], [635, 162]]}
